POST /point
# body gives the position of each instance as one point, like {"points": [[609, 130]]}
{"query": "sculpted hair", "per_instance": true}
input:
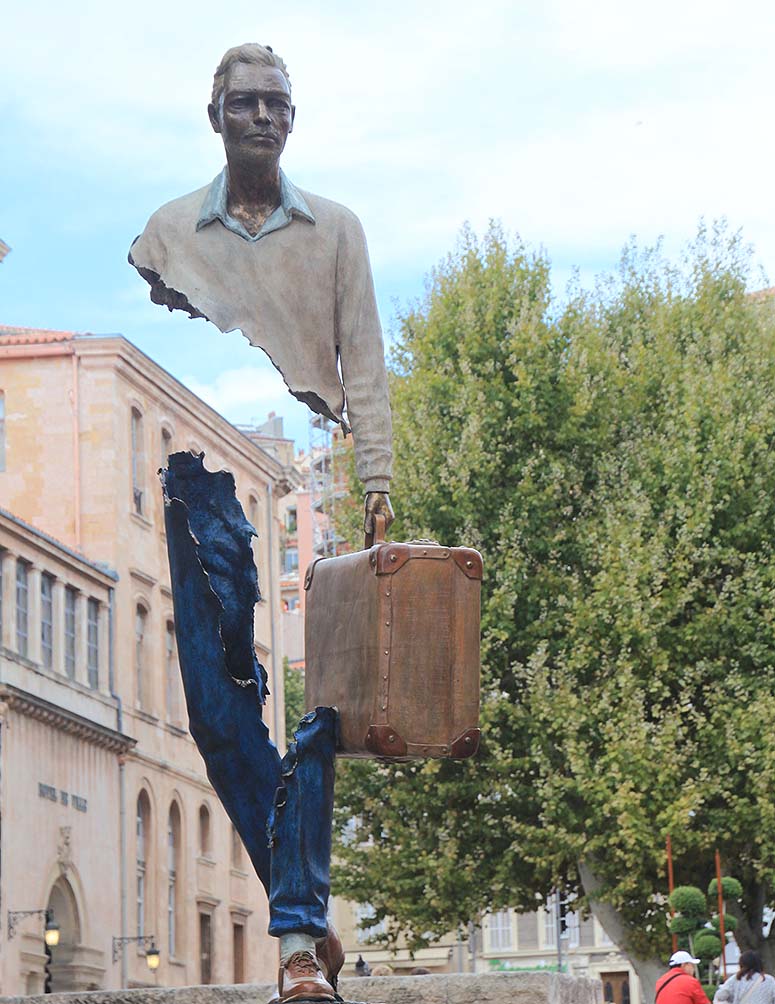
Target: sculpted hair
{"points": [[250, 52]]}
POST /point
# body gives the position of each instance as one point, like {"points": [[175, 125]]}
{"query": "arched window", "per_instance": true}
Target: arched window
{"points": [[171, 673], [173, 873], [142, 849], [204, 831], [141, 618], [236, 848], [166, 445], [138, 463], [253, 513]]}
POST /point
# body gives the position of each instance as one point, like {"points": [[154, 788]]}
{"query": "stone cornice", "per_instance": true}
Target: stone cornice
{"points": [[64, 721]]}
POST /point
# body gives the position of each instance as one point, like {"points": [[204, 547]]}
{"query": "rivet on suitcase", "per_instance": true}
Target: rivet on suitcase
{"points": [[392, 640]]}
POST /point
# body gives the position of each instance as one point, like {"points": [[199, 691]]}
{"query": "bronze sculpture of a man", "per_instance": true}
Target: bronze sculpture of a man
{"points": [[291, 271]]}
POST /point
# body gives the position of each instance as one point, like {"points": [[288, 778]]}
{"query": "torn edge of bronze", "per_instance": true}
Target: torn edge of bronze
{"points": [[258, 676], [174, 299]]}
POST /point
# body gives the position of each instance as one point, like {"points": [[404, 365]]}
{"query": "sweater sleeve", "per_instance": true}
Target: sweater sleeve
{"points": [[362, 358], [726, 992]]}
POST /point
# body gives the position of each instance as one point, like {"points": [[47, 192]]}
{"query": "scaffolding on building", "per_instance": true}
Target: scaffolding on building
{"points": [[325, 485]]}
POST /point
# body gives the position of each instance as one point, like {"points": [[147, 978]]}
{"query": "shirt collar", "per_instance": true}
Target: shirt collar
{"points": [[215, 207]]}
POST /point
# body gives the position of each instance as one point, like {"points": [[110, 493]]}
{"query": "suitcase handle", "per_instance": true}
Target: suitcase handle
{"points": [[377, 535]]}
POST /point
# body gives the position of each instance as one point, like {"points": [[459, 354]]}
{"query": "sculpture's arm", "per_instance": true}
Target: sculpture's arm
{"points": [[362, 355]]}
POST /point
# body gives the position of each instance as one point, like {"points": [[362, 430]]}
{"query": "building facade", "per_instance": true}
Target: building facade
{"points": [[514, 941], [125, 839]]}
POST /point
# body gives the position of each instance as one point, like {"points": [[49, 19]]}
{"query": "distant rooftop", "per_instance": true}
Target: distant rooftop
{"points": [[30, 336]]}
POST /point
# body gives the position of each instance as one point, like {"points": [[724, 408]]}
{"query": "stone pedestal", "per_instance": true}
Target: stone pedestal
{"points": [[486, 988]]}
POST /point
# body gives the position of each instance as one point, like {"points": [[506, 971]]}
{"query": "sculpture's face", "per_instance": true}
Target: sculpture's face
{"points": [[256, 114]]}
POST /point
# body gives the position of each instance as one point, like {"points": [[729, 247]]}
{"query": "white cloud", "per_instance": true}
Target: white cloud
{"points": [[248, 394]]}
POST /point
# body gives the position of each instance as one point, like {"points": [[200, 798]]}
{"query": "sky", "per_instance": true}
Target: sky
{"points": [[575, 124]]}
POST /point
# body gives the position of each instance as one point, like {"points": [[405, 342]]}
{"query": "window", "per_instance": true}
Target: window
{"points": [[166, 446], [2, 430], [141, 858], [238, 941], [527, 930], [550, 921], [500, 930], [291, 560], [205, 948], [173, 858], [47, 620], [22, 606], [204, 831], [291, 522], [93, 642], [141, 615], [171, 673], [253, 511], [138, 463], [364, 913], [236, 848], [70, 596], [572, 929]]}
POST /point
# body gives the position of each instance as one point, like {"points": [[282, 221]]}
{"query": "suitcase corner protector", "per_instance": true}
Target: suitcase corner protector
{"points": [[465, 745], [384, 741]]}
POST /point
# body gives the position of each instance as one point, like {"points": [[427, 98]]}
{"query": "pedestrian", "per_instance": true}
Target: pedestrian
{"points": [[749, 985], [680, 985]]}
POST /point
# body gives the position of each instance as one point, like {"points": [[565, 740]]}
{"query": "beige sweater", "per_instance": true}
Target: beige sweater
{"points": [[303, 293]]}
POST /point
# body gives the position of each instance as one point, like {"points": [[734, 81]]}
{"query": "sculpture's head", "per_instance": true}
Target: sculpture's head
{"points": [[251, 104]]}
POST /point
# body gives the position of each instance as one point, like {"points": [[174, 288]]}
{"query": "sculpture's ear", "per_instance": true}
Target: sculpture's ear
{"points": [[215, 119]]}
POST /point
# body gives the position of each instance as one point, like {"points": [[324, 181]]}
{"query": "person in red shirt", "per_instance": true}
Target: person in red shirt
{"points": [[680, 985]]}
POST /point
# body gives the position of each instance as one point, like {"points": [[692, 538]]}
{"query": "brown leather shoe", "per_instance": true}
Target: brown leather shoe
{"points": [[330, 955], [302, 979]]}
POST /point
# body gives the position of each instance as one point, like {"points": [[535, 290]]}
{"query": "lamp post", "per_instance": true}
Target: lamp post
{"points": [[50, 932], [152, 954]]}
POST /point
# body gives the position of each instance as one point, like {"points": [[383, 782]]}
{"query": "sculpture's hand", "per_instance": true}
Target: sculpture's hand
{"points": [[377, 504]]}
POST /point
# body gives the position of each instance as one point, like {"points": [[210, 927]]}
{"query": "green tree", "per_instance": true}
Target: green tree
{"points": [[612, 458], [293, 680]]}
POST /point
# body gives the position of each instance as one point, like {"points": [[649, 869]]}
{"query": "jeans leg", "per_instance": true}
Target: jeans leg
{"points": [[214, 590], [300, 829]]}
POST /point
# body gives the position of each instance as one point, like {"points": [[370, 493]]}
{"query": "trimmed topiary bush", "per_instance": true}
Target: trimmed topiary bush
{"points": [[730, 888], [688, 900], [682, 925], [730, 922], [707, 945]]}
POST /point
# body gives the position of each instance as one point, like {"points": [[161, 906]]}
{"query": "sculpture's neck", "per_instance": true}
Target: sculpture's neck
{"points": [[254, 194]]}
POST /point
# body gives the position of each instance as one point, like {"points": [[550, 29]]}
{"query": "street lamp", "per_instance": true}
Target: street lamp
{"points": [[152, 954], [152, 958], [51, 931]]}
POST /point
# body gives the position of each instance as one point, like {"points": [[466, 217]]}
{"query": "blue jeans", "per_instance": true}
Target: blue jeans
{"points": [[281, 808]]}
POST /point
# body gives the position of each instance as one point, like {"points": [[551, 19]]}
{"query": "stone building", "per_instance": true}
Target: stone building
{"points": [[108, 818], [514, 941]]}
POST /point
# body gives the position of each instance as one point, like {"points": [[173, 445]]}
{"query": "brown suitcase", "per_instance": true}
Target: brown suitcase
{"points": [[392, 641]]}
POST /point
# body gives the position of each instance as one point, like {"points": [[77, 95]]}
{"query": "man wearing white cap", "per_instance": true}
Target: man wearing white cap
{"points": [[680, 985]]}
